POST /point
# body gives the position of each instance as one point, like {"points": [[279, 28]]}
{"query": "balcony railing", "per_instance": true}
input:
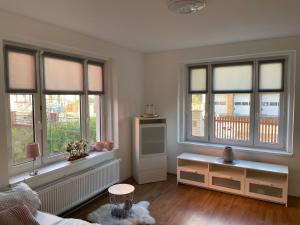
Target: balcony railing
{"points": [[232, 128], [238, 128], [268, 128]]}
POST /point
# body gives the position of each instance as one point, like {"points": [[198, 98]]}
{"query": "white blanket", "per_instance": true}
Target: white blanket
{"points": [[71, 222], [49, 219]]}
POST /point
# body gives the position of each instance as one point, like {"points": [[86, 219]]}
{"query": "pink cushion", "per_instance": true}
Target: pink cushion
{"points": [[18, 214]]}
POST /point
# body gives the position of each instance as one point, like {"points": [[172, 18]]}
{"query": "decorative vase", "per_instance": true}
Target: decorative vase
{"points": [[99, 146], [228, 155], [109, 145]]}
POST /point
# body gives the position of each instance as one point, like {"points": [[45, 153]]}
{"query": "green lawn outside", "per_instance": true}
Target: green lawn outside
{"points": [[59, 135]]}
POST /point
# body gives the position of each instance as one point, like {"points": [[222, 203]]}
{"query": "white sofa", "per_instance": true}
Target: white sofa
{"points": [[22, 194]]}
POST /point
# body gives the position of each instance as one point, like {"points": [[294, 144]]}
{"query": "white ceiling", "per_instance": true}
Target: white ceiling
{"points": [[147, 25]]}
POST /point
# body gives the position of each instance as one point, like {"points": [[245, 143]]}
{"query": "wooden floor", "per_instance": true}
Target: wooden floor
{"points": [[173, 204]]}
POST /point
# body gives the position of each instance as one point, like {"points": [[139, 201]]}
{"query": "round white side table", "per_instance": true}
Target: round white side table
{"points": [[121, 197]]}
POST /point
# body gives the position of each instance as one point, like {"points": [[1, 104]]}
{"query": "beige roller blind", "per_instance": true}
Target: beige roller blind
{"points": [[63, 75], [198, 80], [271, 76], [21, 71], [95, 78], [232, 78]]}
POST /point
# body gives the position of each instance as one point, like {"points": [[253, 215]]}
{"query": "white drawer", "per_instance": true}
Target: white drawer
{"points": [[153, 162], [266, 192], [197, 178], [154, 175], [226, 183]]}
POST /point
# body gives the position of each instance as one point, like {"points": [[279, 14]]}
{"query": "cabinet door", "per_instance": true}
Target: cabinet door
{"points": [[266, 192], [197, 178], [226, 183], [153, 139]]}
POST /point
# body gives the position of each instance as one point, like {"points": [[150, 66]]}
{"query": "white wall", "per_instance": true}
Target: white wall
{"points": [[161, 74], [127, 69]]}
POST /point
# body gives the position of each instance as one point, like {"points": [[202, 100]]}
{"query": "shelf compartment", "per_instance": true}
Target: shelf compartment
{"points": [[192, 166], [228, 172], [267, 179]]}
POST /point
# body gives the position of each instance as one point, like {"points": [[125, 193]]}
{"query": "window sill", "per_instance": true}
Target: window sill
{"points": [[237, 148], [62, 168]]}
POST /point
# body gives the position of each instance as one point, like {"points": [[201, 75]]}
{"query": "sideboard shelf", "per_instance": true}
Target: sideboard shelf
{"points": [[259, 180]]}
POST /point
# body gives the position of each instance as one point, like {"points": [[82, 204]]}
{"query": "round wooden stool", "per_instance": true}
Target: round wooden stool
{"points": [[121, 196]]}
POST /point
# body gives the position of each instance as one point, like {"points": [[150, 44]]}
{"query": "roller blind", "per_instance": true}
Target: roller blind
{"points": [[95, 78], [271, 76], [232, 78], [198, 80], [63, 75], [21, 71]]}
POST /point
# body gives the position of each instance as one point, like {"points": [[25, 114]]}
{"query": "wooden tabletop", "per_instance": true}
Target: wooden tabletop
{"points": [[121, 189]]}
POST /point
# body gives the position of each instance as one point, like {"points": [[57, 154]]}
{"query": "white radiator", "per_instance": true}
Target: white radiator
{"points": [[67, 193]]}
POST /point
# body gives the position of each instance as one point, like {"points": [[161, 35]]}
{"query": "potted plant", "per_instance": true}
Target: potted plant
{"points": [[77, 150]]}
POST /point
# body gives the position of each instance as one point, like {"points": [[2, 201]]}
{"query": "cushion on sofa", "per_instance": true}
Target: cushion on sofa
{"points": [[21, 194], [17, 215]]}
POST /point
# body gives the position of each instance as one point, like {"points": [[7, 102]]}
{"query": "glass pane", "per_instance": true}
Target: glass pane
{"points": [[198, 79], [94, 118], [63, 121], [21, 113], [95, 78], [232, 116], [63, 75], [153, 140], [232, 78], [270, 76], [269, 117], [21, 68], [198, 115]]}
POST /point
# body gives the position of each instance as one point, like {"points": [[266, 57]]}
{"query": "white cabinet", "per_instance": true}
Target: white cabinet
{"points": [[149, 150], [263, 181]]}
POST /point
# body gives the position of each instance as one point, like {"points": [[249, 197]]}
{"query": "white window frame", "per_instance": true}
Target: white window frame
{"points": [[107, 109], [287, 103]]}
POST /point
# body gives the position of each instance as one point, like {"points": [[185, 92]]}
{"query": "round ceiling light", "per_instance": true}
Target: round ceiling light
{"points": [[185, 6]]}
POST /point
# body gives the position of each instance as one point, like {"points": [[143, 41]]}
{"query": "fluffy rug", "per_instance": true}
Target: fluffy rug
{"points": [[139, 215]]}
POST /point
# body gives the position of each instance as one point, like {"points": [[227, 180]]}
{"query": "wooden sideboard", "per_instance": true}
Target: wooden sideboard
{"points": [[259, 180]]}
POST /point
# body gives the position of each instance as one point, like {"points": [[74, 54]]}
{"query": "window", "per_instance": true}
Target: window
{"points": [[231, 121], [271, 96], [95, 91], [54, 99], [238, 103], [63, 121], [22, 128], [95, 114], [198, 89], [21, 85], [63, 79]]}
